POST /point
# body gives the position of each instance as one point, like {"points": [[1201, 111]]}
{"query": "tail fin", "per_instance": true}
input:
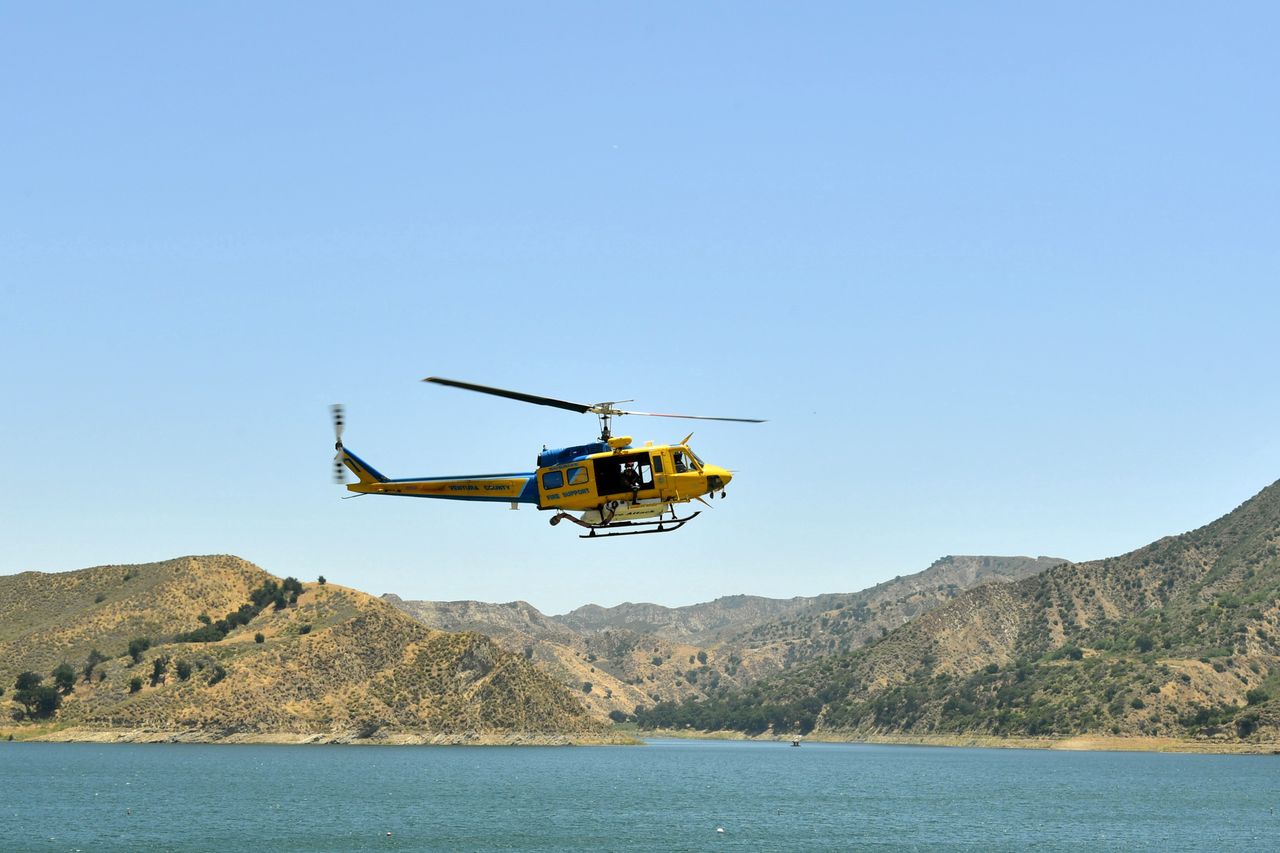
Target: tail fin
{"points": [[364, 472]]}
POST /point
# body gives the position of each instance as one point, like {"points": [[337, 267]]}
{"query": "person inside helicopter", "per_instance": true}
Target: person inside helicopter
{"points": [[631, 477]]}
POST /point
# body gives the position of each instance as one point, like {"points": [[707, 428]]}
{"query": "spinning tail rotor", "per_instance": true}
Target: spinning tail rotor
{"points": [[339, 420]]}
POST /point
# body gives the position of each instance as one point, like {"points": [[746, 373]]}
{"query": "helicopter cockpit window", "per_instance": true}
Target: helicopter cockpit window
{"points": [[553, 479], [657, 464], [577, 475], [681, 464]]}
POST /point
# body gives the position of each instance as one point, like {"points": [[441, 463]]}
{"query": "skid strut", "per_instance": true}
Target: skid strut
{"points": [[627, 528]]}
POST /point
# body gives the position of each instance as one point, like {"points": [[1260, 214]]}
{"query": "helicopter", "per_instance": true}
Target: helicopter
{"points": [[614, 487]]}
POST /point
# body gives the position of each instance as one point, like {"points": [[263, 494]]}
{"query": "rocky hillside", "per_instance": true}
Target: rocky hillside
{"points": [[631, 655], [321, 662], [1179, 639], [697, 624]]}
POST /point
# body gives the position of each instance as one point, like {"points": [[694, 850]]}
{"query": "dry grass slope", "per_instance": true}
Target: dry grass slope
{"points": [[338, 665]]}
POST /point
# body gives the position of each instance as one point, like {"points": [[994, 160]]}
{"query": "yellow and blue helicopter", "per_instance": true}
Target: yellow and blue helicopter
{"points": [[616, 489]]}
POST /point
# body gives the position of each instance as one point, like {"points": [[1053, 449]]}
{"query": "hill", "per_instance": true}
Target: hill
{"points": [[332, 663], [1177, 639], [632, 655]]}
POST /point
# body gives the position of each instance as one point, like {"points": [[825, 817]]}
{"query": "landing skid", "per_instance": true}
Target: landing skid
{"points": [[657, 525]]}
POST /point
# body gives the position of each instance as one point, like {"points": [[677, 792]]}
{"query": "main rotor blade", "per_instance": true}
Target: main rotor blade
{"points": [[512, 395], [695, 417]]}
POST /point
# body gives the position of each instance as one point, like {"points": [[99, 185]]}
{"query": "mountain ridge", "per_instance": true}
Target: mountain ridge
{"points": [[630, 655]]}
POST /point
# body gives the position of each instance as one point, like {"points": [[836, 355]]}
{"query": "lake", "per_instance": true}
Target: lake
{"points": [[665, 796]]}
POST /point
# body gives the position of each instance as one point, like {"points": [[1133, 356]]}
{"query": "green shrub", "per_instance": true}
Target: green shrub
{"points": [[258, 638], [91, 662], [27, 681], [586, 686], [158, 668], [184, 669], [64, 677], [40, 702], [135, 684], [137, 647], [321, 580]]}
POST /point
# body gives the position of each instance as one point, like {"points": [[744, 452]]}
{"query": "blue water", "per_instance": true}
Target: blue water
{"points": [[669, 795]]}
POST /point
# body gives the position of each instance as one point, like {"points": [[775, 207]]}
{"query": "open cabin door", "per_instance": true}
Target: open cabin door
{"points": [[622, 476]]}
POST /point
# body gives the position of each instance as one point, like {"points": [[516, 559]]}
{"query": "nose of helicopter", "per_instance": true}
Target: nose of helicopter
{"points": [[717, 478]]}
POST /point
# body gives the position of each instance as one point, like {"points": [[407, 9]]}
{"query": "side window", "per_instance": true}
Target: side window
{"points": [[553, 479], [577, 475], [657, 464]]}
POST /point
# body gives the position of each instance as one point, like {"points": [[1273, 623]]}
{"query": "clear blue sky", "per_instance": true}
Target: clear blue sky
{"points": [[1003, 277]]}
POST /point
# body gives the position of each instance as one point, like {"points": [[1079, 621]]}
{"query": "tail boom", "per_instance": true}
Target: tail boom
{"points": [[497, 488]]}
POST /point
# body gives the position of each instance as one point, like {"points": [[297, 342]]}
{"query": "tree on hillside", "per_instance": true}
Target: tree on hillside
{"points": [[39, 702], [321, 580], [272, 593], [137, 647], [64, 677], [95, 657], [158, 668]]}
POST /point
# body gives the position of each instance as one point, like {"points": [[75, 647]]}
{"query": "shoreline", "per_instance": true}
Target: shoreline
{"points": [[624, 736], [1066, 743], [71, 734]]}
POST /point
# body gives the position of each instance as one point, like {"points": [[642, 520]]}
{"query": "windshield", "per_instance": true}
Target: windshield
{"points": [[694, 457]]}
